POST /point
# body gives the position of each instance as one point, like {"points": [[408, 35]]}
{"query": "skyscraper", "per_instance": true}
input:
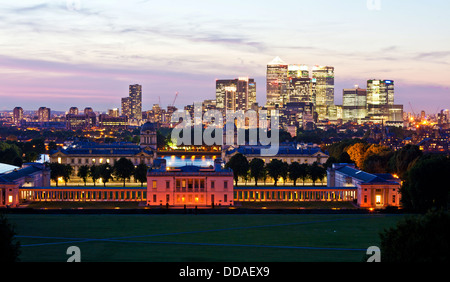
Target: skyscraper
{"points": [[43, 114], [135, 94], [323, 76], [354, 104], [235, 94], [126, 107], [380, 99], [277, 82], [17, 115]]}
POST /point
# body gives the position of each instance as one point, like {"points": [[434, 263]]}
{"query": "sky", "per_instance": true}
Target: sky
{"points": [[64, 53]]}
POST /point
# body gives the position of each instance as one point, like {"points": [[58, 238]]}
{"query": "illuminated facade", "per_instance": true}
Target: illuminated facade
{"points": [[30, 175], [190, 186], [135, 94], [17, 115], [324, 89], [277, 82], [373, 190], [235, 94], [380, 98], [43, 114], [354, 104]]}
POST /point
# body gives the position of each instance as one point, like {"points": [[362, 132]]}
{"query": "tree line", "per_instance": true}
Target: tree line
{"points": [[257, 170], [122, 170]]}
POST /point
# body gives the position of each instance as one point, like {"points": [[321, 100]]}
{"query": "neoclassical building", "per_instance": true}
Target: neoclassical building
{"points": [[29, 175], [372, 190], [91, 153], [190, 185], [286, 153]]}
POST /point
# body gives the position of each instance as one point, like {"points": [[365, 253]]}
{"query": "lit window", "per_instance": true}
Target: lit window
{"points": [[154, 184], [10, 199]]}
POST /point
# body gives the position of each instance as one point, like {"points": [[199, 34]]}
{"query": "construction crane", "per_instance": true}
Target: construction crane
{"points": [[174, 99]]}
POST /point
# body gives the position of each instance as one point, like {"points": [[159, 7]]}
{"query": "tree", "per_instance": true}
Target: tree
{"points": [[9, 248], [94, 173], [240, 166], [295, 171], [66, 173], [285, 171], [256, 169], [405, 158], [83, 173], [140, 173], [56, 171], [357, 153], [316, 172], [425, 185], [123, 169], [105, 172], [420, 238], [275, 169], [303, 172]]}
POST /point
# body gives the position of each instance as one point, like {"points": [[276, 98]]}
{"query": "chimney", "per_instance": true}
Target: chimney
{"points": [[217, 164]]}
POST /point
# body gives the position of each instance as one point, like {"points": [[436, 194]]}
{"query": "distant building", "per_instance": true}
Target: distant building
{"points": [[43, 114], [235, 94], [354, 104], [323, 77], [380, 98], [112, 122], [190, 186], [17, 115], [73, 111], [276, 82]]}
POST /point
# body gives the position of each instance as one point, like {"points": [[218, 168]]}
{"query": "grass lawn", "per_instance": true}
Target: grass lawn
{"points": [[200, 238]]}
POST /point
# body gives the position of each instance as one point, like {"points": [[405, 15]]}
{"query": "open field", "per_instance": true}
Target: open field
{"points": [[200, 238]]}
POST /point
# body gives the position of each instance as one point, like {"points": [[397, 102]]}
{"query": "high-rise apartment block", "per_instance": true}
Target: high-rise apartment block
{"points": [[132, 105], [235, 94], [43, 114], [380, 99], [17, 115]]}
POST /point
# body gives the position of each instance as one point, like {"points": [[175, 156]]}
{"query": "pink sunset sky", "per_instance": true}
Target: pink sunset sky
{"points": [[83, 53]]}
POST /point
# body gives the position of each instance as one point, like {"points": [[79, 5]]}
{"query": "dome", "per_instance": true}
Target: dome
{"points": [[149, 126]]}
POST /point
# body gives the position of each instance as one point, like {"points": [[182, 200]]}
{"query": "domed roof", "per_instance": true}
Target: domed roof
{"points": [[149, 126]]}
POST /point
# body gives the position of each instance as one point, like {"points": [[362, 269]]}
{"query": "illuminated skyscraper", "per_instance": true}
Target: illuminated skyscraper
{"points": [[301, 87], [235, 94], [43, 114], [354, 104], [136, 101], [17, 115], [126, 107], [323, 76], [277, 82], [380, 99]]}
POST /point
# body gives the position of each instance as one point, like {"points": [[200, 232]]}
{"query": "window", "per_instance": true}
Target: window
{"points": [[225, 185], [393, 199], [365, 198], [225, 198], [178, 185], [154, 198], [378, 199], [202, 183], [154, 184], [167, 184], [212, 184]]}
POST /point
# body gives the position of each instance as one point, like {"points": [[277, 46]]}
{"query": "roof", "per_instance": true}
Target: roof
{"points": [[7, 168], [365, 177], [149, 126], [191, 170], [10, 177], [282, 150], [277, 61], [91, 148]]}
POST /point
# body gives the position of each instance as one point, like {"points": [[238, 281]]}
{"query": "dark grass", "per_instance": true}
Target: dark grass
{"points": [[200, 238]]}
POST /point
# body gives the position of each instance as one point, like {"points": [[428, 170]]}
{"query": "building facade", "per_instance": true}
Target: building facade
{"points": [[373, 190], [190, 186], [235, 94], [354, 104]]}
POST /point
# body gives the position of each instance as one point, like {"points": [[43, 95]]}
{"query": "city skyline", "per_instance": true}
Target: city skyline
{"points": [[87, 53]]}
